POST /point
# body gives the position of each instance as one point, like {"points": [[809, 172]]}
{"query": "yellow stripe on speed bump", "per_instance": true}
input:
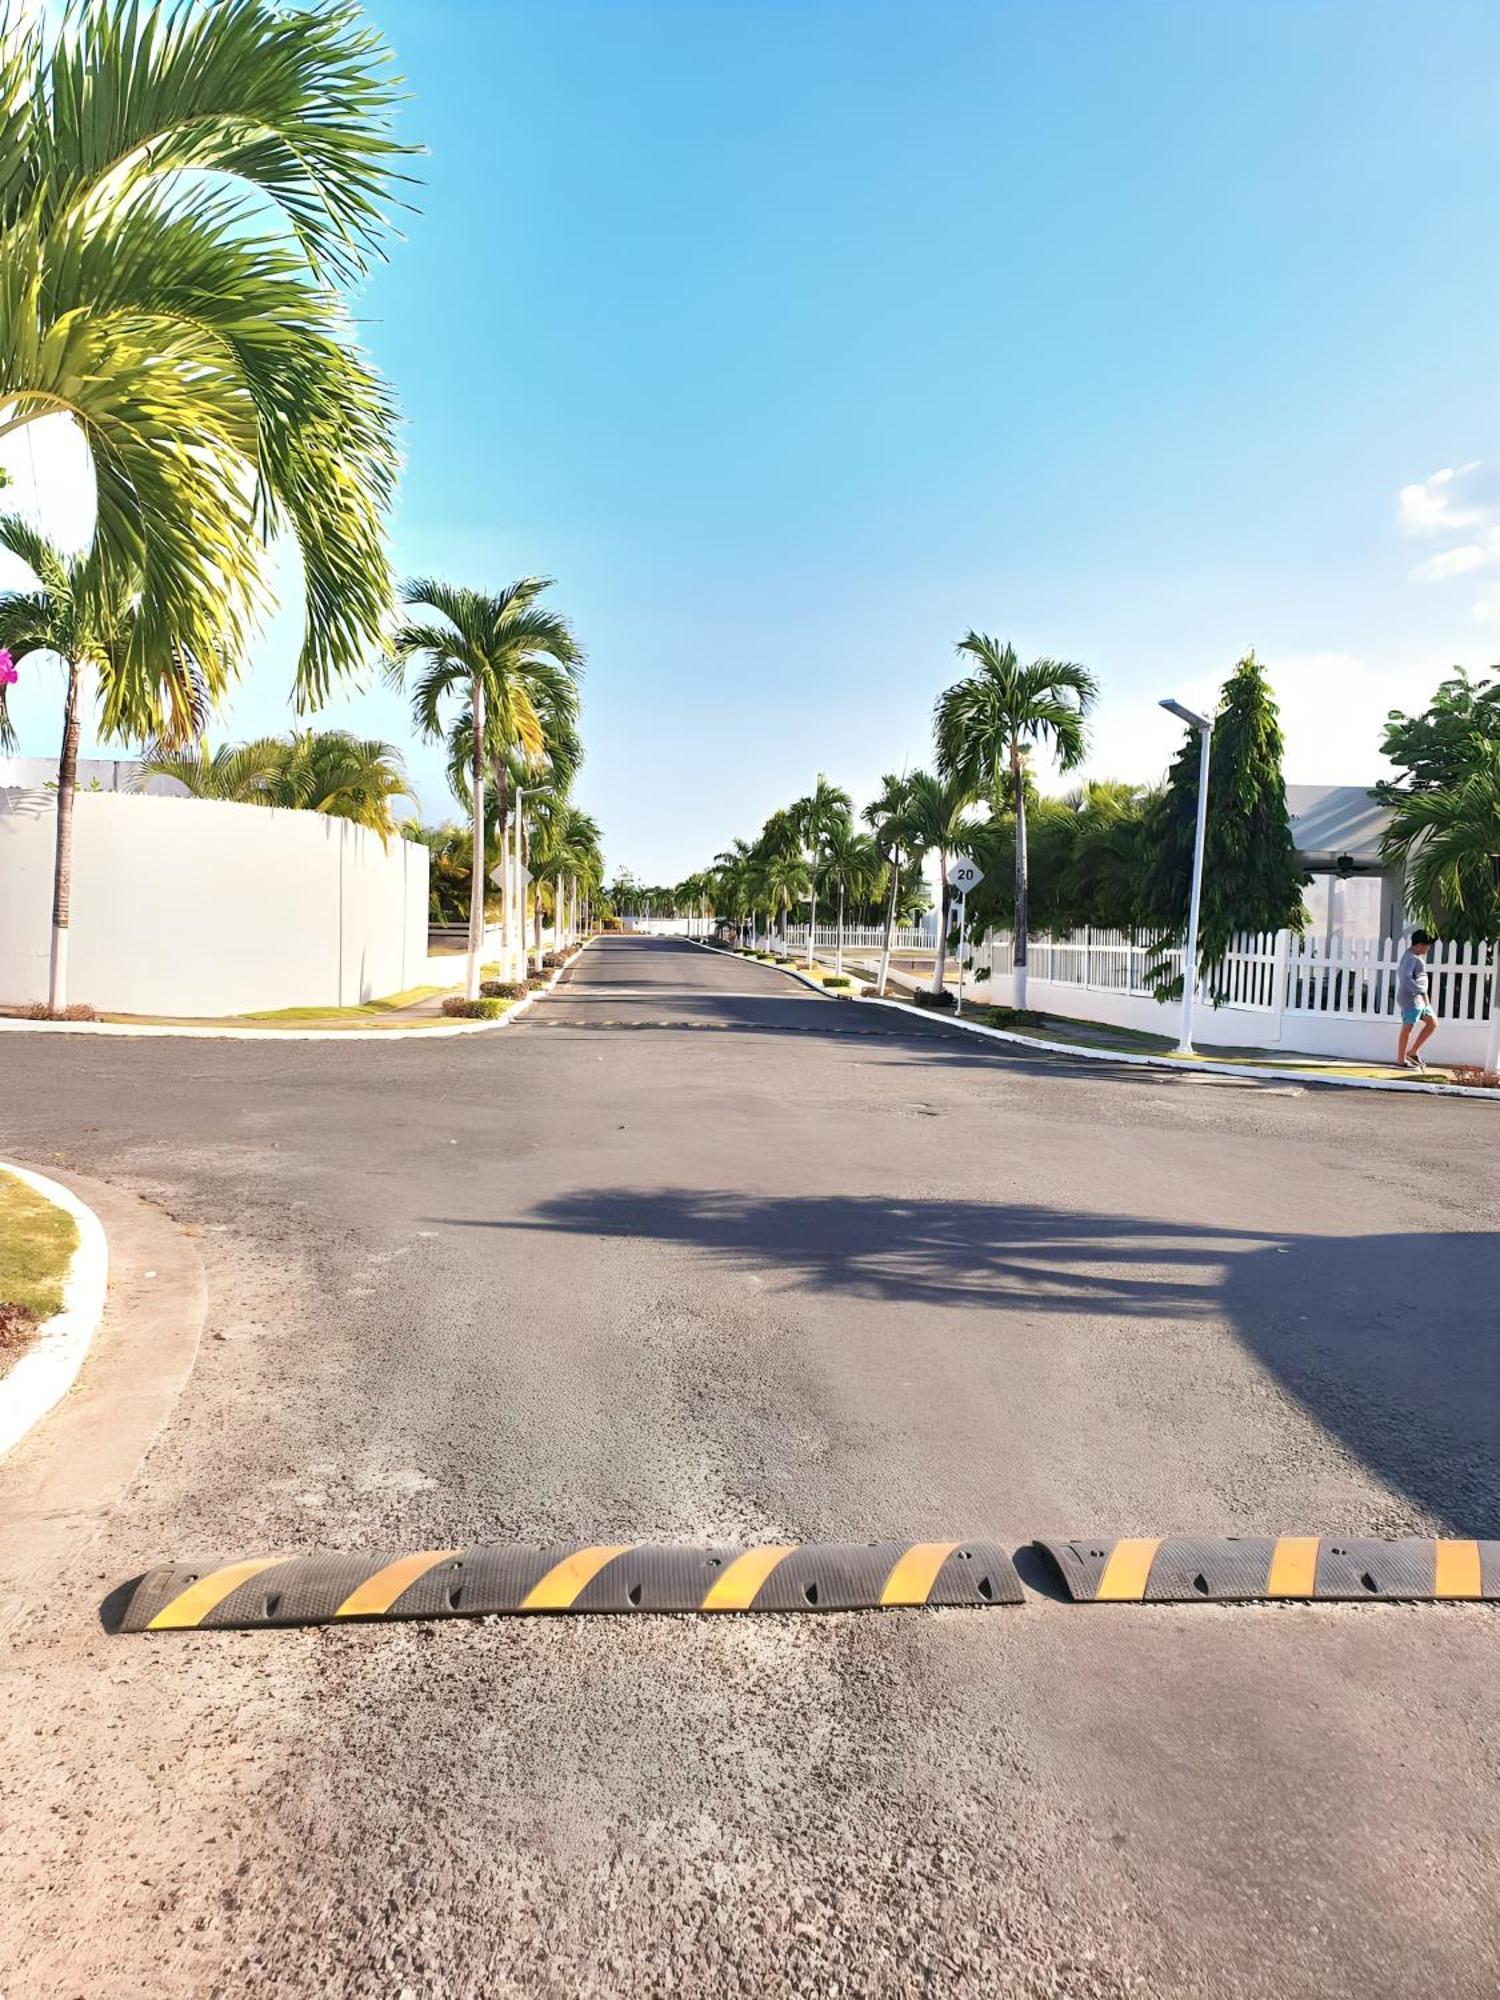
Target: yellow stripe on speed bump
{"points": [[915, 1572], [191, 1606], [1294, 1566], [1456, 1570], [736, 1589], [1128, 1571], [379, 1592], [563, 1582]]}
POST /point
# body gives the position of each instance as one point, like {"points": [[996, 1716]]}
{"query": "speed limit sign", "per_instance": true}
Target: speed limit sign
{"points": [[963, 876]]}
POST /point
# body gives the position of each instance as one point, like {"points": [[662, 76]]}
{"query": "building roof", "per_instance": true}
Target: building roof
{"points": [[1333, 820]]}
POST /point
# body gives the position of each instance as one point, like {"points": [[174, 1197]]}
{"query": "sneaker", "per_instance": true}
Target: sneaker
{"points": [[1414, 1062]]}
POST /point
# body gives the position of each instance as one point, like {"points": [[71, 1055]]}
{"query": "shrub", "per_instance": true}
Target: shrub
{"points": [[837, 982], [476, 1010], [535, 981], [40, 1011], [501, 989], [551, 959], [1475, 1077], [940, 1003], [1014, 1017]]}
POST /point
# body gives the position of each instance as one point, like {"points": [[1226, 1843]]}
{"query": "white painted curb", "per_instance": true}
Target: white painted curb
{"points": [[148, 1030], [812, 985], [1135, 1059], [45, 1372]]}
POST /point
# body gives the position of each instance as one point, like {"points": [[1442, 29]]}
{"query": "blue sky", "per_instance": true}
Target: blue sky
{"points": [[794, 337]]}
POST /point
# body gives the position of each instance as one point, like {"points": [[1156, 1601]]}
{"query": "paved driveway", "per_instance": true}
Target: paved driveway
{"points": [[693, 1253]]}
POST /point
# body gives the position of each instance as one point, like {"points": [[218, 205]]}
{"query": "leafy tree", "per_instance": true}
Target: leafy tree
{"points": [[1441, 746], [849, 861], [1252, 880], [938, 819], [886, 815], [207, 360], [326, 771], [79, 612], [1448, 840], [817, 818], [986, 725], [450, 870], [500, 652]]}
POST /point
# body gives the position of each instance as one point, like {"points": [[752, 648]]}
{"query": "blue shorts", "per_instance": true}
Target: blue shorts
{"points": [[1422, 1011]]}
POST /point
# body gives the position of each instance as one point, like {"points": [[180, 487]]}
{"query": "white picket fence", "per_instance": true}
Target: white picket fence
{"points": [[907, 937], [1334, 997]]}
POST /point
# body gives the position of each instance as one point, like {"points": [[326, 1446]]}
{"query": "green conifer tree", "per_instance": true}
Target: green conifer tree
{"points": [[1251, 877]]}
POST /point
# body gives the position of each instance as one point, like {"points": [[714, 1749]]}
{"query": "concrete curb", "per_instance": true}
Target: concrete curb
{"points": [[437, 1032], [812, 985], [1134, 1059], [46, 1371]]}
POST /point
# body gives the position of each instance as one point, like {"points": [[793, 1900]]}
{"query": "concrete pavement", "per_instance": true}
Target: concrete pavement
{"points": [[695, 1254]]}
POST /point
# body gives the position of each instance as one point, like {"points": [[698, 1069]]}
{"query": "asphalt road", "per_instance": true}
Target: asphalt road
{"points": [[694, 1254]]}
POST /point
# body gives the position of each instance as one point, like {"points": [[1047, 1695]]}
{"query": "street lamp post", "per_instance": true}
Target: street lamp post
{"points": [[1205, 731]]}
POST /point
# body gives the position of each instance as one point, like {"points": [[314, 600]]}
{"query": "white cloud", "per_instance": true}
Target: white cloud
{"points": [[1433, 506], [1452, 562], [1487, 611], [1428, 507]]}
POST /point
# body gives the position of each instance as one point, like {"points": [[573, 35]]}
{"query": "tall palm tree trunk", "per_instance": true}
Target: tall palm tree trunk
{"points": [[812, 917], [940, 956], [838, 952], [476, 882], [1019, 932], [890, 927], [62, 872]]}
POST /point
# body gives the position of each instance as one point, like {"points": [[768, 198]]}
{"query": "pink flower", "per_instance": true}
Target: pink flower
{"points": [[8, 674]]}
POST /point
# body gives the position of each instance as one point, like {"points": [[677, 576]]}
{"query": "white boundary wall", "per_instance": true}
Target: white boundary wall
{"points": [[1303, 994], [185, 906]]}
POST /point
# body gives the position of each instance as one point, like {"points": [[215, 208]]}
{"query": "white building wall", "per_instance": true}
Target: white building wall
{"points": [[183, 906]]}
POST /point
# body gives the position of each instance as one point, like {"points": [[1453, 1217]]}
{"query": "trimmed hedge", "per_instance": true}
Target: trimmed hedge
{"points": [[476, 1010], [502, 989]]}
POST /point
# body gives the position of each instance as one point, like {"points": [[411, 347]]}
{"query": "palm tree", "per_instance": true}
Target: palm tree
{"points": [[990, 720], [503, 652], [886, 814], [205, 357], [852, 863], [450, 869], [566, 848], [787, 879], [327, 771], [816, 818], [207, 364], [779, 869], [1448, 841], [522, 778], [732, 876], [937, 820], [75, 614]]}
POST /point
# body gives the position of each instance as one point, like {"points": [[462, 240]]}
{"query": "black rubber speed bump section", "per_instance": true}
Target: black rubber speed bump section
{"points": [[1233, 1569], [481, 1582]]}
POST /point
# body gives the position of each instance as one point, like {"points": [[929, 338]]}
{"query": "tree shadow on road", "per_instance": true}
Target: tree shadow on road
{"points": [[1390, 1342]]}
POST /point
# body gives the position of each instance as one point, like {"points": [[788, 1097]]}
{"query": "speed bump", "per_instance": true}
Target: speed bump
{"points": [[267, 1591], [1232, 1569]]}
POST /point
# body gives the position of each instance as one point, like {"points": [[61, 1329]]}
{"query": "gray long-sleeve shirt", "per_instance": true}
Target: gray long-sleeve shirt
{"points": [[1411, 980]]}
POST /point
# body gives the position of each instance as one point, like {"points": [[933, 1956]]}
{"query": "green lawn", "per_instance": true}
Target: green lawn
{"points": [[37, 1242], [388, 1005]]}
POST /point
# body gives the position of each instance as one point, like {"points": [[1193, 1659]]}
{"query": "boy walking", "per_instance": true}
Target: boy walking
{"points": [[1412, 999]]}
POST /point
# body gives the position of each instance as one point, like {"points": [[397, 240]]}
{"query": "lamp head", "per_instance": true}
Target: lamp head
{"points": [[1187, 715]]}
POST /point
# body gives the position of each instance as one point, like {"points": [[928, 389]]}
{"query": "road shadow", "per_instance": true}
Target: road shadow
{"points": [[1391, 1343]]}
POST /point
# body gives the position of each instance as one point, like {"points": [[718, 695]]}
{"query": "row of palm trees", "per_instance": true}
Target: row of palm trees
{"points": [[985, 727], [187, 194]]}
